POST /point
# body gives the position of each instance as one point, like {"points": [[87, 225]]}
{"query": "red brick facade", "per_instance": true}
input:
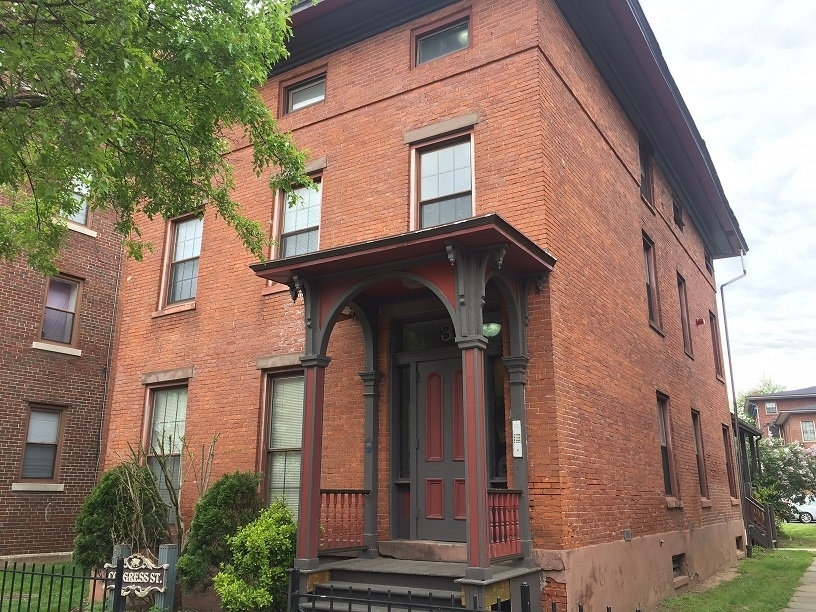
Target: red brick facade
{"points": [[37, 514], [782, 414], [557, 156]]}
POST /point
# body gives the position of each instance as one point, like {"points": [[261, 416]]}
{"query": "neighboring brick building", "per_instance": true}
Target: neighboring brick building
{"points": [[516, 219], [55, 351], [789, 415]]}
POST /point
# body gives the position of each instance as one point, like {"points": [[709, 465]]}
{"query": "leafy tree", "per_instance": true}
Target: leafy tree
{"points": [[765, 386], [138, 101], [262, 552], [788, 474], [124, 508], [230, 504]]}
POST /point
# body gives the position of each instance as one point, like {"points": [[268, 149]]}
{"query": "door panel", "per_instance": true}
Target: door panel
{"points": [[440, 452]]}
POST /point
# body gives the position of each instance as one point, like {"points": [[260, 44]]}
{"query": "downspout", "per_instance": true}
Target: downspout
{"points": [[734, 415]]}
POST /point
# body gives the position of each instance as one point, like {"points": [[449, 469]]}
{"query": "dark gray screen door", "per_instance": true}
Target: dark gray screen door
{"points": [[440, 485]]}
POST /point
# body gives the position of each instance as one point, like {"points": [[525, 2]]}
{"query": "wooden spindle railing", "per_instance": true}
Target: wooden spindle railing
{"points": [[505, 523], [341, 519]]}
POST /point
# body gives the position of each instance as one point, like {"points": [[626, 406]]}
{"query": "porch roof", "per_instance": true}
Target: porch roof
{"points": [[523, 257]]}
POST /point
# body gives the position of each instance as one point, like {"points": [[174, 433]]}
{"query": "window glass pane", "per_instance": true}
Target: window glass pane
{"points": [[62, 294], [308, 94], [43, 427], [445, 171], [60, 305], [188, 239], [169, 416], [286, 421], [447, 211], [173, 465], [39, 460], [301, 223], [80, 216], [183, 280], [443, 42]]}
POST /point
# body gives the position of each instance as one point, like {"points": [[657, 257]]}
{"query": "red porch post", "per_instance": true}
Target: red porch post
{"points": [[311, 449], [478, 531]]}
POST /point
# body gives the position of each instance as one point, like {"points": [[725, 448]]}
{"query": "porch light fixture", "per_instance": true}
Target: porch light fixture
{"points": [[489, 330]]}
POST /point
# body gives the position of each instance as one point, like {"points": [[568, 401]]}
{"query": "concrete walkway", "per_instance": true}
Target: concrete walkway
{"points": [[805, 596]]}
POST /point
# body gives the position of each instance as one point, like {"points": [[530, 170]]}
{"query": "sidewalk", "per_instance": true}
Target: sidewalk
{"points": [[805, 596]]}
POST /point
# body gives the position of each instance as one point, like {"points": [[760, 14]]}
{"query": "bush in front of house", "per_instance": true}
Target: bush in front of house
{"points": [[124, 508], [256, 580], [230, 504]]}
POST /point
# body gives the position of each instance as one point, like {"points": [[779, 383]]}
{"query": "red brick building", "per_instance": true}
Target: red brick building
{"points": [[55, 351], [789, 415], [502, 347]]}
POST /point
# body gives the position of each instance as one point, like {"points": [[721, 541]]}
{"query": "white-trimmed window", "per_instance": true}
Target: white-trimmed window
{"points": [[305, 93], [80, 194], [441, 41], [42, 447], [284, 438], [300, 224], [770, 408], [445, 182], [183, 267], [808, 432], [168, 419], [60, 315]]}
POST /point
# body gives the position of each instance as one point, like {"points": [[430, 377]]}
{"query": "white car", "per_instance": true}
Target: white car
{"points": [[807, 511]]}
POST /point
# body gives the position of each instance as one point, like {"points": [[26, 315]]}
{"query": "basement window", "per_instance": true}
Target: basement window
{"points": [[679, 570]]}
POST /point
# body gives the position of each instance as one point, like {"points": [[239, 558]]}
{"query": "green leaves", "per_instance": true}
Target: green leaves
{"points": [[139, 97]]}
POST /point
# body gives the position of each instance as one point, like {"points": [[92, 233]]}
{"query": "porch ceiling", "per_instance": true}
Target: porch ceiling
{"points": [[523, 258]]}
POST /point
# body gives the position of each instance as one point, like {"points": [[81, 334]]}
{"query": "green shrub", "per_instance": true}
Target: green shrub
{"points": [[231, 503], [262, 552], [124, 508]]}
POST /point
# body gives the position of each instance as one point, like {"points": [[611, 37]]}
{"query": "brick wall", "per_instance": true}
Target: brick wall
{"points": [[34, 522]]}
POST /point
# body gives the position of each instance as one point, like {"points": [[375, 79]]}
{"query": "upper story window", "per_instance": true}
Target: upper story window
{"points": [[61, 303], [709, 262], [684, 314], [677, 212], [770, 408], [729, 461], [651, 280], [697, 434], [80, 194], [715, 342], [445, 189], [41, 454], [646, 172], [305, 93], [301, 223], [441, 41], [183, 271]]}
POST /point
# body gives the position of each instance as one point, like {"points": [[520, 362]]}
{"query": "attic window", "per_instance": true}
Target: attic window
{"points": [[306, 93], [709, 263], [770, 407], [442, 41], [678, 215]]}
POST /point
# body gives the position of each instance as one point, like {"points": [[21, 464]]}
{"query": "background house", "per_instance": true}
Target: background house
{"points": [[55, 351], [789, 415], [503, 347]]}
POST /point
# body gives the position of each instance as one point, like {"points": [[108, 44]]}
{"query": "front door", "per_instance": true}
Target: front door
{"points": [[440, 459]]}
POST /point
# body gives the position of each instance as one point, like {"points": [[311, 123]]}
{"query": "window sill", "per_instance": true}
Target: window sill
{"points": [[168, 310], [56, 348], [657, 328], [705, 503], [37, 487], [648, 204], [673, 502], [735, 501], [81, 229], [689, 354], [681, 581], [721, 378]]}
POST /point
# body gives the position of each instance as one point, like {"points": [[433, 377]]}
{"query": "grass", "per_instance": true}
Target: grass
{"points": [[763, 584], [797, 535], [48, 588]]}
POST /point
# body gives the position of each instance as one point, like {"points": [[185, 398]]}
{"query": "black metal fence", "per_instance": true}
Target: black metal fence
{"points": [[58, 588]]}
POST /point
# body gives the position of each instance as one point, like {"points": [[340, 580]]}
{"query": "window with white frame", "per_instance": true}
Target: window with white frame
{"points": [[183, 269], [305, 93], [80, 196], [300, 227], [770, 408], [445, 189], [808, 432], [284, 438], [169, 416], [60, 314], [41, 454]]}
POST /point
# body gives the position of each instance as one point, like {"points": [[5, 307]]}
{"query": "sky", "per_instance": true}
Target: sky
{"points": [[747, 72]]}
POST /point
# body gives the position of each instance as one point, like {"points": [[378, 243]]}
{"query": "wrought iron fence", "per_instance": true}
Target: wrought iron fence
{"points": [[58, 588]]}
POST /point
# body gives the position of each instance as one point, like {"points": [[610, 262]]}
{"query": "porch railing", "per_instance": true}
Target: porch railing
{"points": [[341, 519], [505, 523], [761, 527]]}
